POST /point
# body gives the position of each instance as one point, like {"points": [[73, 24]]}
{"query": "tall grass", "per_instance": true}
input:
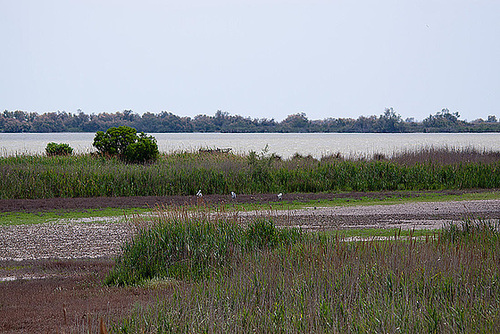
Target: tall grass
{"points": [[445, 156], [190, 245], [321, 284], [184, 173]]}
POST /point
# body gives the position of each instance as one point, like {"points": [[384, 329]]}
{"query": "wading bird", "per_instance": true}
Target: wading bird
{"points": [[280, 195], [199, 194], [233, 195]]}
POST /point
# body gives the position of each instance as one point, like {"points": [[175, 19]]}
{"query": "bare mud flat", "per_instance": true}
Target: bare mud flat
{"points": [[65, 296], [73, 240], [420, 215]]}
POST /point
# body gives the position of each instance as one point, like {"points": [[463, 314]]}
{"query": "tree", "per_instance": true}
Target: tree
{"points": [[444, 121], [365, 124], [295, 123], [390, 121], [48, 122], [492, 119]]}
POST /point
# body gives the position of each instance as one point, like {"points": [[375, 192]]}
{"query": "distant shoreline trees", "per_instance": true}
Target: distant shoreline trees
{"points": [[388, 122]]}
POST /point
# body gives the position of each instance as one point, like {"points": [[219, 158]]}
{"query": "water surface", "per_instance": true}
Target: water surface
{"points": [[283, 144]]}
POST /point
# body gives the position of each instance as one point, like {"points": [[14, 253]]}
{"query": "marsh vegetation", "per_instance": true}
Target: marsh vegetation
{"points": [[184, 173], [227, 278]]}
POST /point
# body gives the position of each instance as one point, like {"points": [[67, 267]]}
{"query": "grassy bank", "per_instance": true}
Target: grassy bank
{"points": [[226, 278], [185, 173], [62, 216]]}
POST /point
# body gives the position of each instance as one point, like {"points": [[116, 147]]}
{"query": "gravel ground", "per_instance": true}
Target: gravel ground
{"points": [[97, 240], [66, 240]]}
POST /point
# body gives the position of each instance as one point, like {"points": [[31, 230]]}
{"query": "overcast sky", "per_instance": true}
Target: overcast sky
{"points": [[256, 58]]}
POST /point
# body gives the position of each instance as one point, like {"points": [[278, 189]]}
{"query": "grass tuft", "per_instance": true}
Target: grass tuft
{"points": [[190, 245], [471, 230]]}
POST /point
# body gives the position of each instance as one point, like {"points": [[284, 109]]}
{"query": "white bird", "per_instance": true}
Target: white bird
{"points": [[280, 195], [233, 195], [199, 194]]}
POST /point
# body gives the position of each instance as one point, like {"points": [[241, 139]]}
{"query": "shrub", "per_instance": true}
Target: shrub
{"points": [[144, 149], [124, 142], [115, 140], [58, 149]]}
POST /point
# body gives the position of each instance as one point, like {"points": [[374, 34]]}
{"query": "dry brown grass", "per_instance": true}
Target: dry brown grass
{"points": [[444, 156]]}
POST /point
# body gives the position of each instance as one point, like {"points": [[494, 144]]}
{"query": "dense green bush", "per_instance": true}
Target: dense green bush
{"points": [[58, 149], [124, 142], [115, 140], [144, 149]]}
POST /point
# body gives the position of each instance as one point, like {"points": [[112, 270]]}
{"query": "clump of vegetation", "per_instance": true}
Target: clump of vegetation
{"points": [[320, 283], [190, 246], [476, 231], [125, 143], [445, 156], [58, 149]]}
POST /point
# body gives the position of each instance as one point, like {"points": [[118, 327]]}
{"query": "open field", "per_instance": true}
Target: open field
{"points": [[267, 280]]}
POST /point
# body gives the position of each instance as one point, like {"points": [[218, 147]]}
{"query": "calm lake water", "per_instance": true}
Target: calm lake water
{"points": [[283, 144]]}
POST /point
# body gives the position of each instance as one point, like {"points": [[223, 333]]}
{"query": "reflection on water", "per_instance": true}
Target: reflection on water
{"points": [[283, 144]]}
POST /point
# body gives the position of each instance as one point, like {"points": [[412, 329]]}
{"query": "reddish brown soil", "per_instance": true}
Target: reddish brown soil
{"points": [[39, 205], [70, 299]]}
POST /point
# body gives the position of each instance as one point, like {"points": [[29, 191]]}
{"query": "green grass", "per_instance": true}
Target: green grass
{"points": [[99, 215], [187, 245], [314, 283], [185, 173]]}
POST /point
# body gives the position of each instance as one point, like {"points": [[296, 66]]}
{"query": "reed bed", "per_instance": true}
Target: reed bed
{"points": [[445, 156], [318, 283], [184, 173]]}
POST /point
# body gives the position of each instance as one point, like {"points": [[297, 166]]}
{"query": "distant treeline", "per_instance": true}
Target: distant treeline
{"points": [[388, 122]]}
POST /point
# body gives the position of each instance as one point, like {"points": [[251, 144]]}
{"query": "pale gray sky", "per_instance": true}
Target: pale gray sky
{"points": [[338, 58]]}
